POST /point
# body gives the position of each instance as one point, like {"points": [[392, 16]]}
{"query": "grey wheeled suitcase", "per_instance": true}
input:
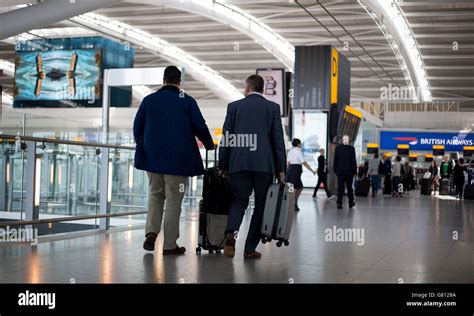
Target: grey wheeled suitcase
{"points": [[278, 213], [444, 187]]}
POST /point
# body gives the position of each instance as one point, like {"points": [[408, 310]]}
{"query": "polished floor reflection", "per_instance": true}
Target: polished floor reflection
{"points": [[412, 239]]}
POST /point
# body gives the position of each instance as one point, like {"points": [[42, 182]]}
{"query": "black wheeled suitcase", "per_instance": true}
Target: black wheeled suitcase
{"points": [[444, 187], [425, 187], [469, 192], [213, 210], [278, 213], [387, 185], [363, 187]]}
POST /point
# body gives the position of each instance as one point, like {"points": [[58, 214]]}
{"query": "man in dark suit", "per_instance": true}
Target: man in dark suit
{"points": [[345, 167], [251, 168], [322, 174], [165, 130]]}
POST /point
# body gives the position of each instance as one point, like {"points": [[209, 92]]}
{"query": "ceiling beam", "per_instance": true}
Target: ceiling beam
{"points": [[45, 13]]}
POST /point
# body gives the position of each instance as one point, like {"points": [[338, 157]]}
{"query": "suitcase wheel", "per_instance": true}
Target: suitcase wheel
{"points": [[279, 243], [286, 242], [198, 250], [264, 240]]}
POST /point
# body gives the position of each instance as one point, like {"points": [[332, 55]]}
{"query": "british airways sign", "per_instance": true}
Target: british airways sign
{"points": [[426, 140]]}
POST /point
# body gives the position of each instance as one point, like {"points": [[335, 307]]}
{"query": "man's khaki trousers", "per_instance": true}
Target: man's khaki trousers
{"points": [[169, 188]]}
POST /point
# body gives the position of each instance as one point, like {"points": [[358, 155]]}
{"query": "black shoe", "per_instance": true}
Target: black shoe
{"points": [[297, 208], [351, 205], [339, 206], [149, 243], [176, 251]]}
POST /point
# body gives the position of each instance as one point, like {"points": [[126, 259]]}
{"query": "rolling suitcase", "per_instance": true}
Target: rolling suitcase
{"points": [[363, 187], [444, 187], [425, 187], [387, 185], [469, 192], [278, 213], [213, 210]]}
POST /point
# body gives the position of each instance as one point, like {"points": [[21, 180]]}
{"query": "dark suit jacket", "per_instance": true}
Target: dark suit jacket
{"points": [[321, 165], [165, 131], [254, 115], [345, 163]]}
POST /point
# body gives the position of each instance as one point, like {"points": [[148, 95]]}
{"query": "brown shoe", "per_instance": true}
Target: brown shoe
{"points": [[149, 243], [252, 255], [229, 248], [176, 251]]}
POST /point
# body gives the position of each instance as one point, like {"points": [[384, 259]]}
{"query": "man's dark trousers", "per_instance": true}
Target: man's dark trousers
{"points": [[345, 181], [322, 178], [242, 184]]}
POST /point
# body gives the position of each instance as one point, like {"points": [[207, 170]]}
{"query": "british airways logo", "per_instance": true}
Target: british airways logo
{"points": [[436, 141], [410, 140]]}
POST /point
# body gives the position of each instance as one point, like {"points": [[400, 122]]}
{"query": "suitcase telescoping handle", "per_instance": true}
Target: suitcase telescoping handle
{"points": [[215, 157]]}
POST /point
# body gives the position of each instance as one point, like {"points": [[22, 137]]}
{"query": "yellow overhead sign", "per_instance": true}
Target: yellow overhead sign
{"points": [[334, 75], [350, 109]]}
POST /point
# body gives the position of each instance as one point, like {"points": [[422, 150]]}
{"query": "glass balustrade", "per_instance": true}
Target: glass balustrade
{"points": [[68, 161]]}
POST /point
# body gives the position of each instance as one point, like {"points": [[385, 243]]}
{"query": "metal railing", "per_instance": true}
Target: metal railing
{"points": [[33, 151]]}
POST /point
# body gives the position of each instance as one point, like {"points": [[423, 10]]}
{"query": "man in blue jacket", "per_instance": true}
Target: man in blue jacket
{"points": [[345, 167], [255, 155], [165, 128]]}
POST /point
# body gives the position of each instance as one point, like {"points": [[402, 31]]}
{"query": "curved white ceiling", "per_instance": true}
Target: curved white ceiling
{"points": [[238, 19], [387, 14], [208, 76]]}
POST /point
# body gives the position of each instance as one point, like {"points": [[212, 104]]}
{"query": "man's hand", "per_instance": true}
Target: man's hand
{"points": [[224, 174], [281, 177]]}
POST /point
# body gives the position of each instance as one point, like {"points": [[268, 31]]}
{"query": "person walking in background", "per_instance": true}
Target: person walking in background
{"points": [[458, 175], [396, 175], [345, 167], [322, 175], [408, 177], [165, 129], [434, 176], [388, 175], [373, 173], [446, 169], [251, 169], [296, 161]]}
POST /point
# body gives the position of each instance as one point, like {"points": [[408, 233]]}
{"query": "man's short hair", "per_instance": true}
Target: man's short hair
{"points": [[255, 83], [172, 75]]}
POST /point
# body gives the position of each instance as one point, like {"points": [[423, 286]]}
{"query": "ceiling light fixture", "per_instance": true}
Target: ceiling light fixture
{"points": [[392, 11]]}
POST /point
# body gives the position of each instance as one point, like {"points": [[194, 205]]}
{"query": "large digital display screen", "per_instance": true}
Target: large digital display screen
{"points": [[58, 75], [274, 86], [311, 129]]}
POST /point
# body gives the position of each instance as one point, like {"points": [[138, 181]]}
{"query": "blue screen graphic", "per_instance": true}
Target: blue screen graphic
{"points": [[58, 75]]}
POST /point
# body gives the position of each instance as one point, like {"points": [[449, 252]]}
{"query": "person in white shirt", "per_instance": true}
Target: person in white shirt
{"points": [[295, 161]]}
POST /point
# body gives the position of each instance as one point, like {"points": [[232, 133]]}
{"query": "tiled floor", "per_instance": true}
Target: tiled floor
{"points": [[406, 239]]}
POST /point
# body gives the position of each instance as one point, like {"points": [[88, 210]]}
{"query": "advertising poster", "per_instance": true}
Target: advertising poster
{"points": [[311, 129], [274, 88], [58, 75]]}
